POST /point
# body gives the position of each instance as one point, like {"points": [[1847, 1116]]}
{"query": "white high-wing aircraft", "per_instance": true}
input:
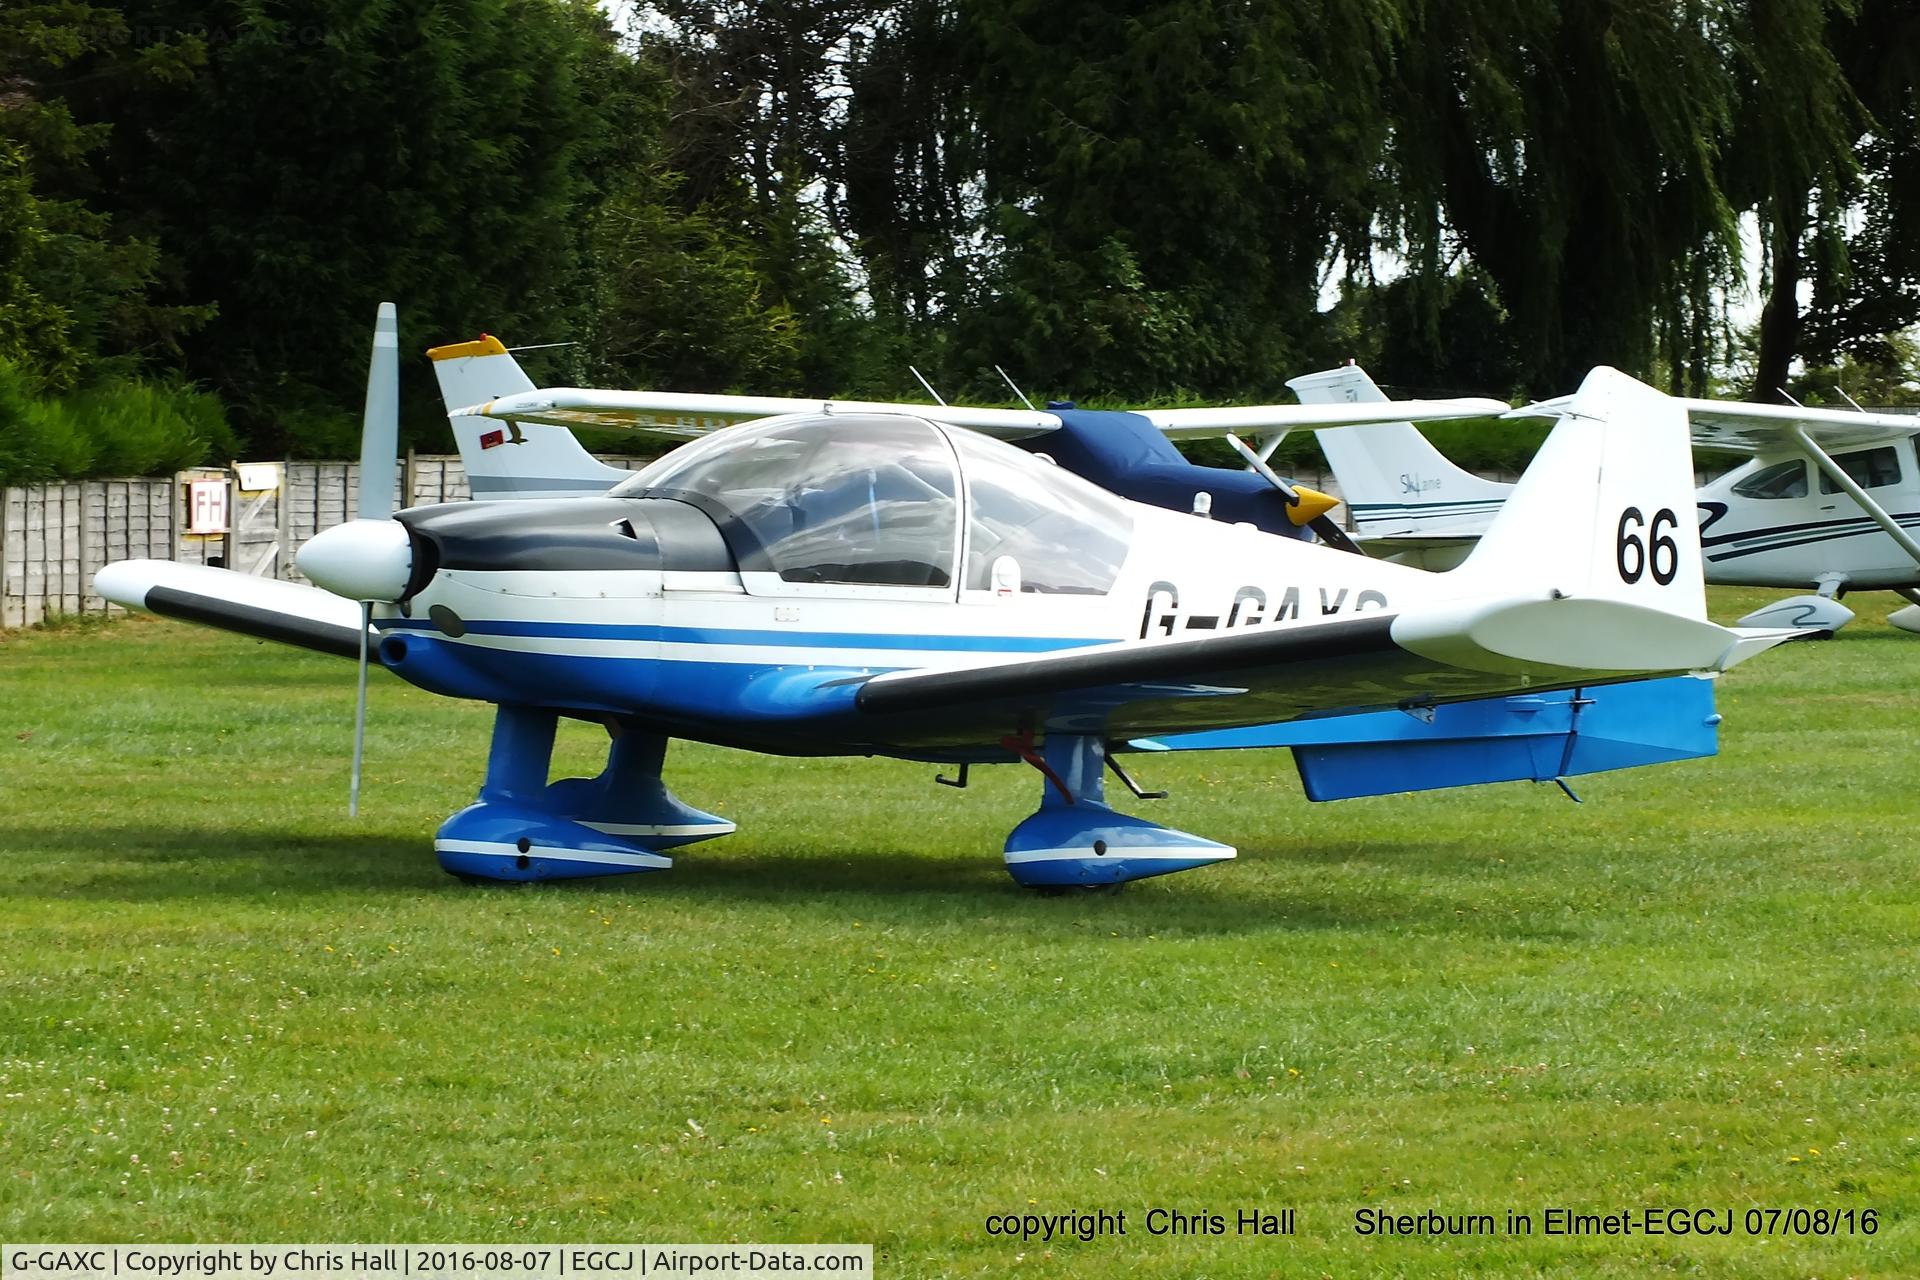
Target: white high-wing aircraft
{"points": [[1828, 501], [883, 583]]}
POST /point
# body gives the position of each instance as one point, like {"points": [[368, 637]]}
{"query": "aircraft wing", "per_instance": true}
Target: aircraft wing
{"points": [[1445, 653], [1757, 428], [289, 612], [1264, 419], [1736, 426], [682, 416]]}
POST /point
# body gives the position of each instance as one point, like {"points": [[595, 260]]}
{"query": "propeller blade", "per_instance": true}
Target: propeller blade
{"points": [[380, 430], [1259, 464], [1333, 535], [360, 713], [1321, 524]]}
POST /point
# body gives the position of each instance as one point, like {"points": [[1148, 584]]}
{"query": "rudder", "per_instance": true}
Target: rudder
{"points": [[511, 459], [1393, 480], [1606, 509]]}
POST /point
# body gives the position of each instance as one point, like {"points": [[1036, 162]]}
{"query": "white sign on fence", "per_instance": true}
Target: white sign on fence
{"points": [[206, 506], [256, 477]]}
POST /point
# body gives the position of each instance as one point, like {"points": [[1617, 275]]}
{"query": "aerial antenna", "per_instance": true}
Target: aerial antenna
{"points": [[1790, 400], [928, 385], [544, 346], [1016, 388], [1849, 399]]}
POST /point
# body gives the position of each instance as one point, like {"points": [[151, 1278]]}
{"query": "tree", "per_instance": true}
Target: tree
{"points": [[331, 154], [1793, 160], [74, 290], [759, 96], [1866, 286], [1167, 180], [1574, 153]]}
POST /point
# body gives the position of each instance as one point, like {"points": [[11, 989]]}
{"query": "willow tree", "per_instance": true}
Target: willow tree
{"points": [[1794, 161], [1165, 183], [1866, 273], [329, 154], [1574, 152]]}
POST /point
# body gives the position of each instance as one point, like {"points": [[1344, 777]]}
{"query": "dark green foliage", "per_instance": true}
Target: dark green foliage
{"points": [[36, 332], [74, 289], [1133, 202], [1437, 338], [1167, 181], [36, 442], [1882, 372], [1866, 280], [116, 426], [1574, 151], [331, 154]]}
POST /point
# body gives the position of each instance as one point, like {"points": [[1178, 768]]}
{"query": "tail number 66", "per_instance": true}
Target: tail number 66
{"points": [[1657, 554]]}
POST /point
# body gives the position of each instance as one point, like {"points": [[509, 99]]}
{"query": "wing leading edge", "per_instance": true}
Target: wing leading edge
{"points": [[683, 416]]}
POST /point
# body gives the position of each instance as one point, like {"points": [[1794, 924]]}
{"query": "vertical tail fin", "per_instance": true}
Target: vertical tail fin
{"points": [[1606, 510], [511, 459], [1393, 479], [1594, 564]]}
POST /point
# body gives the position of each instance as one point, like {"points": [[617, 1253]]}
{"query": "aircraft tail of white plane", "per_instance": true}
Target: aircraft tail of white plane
{"points": [[511, 459], [1606, 509], [1594, 562], [1393, 480]]}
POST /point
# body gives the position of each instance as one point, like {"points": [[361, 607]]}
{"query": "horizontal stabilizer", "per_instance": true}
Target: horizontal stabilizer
{"points": [[1543, 637]]}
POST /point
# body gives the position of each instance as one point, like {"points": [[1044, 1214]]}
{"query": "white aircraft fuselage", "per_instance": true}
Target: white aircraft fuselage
{"points": [[1804, 532]]}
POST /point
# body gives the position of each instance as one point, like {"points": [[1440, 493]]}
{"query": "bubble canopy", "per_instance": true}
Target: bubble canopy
{"points": [[878, 500]]}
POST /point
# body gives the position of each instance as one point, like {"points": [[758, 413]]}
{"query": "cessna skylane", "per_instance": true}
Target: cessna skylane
{"points": [[1828, 500], [896, 580]]}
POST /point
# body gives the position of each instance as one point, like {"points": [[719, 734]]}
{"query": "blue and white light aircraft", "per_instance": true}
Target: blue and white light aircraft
{"points": [[1830, 499], [859, 582]]}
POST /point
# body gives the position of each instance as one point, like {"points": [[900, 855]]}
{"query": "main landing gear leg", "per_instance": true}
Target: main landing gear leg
{"points": [[523, 829], [1075, 840]]}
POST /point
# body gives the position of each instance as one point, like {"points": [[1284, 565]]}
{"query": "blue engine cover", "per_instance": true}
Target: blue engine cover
{"points": [[1126, 454], [1536, 737]]}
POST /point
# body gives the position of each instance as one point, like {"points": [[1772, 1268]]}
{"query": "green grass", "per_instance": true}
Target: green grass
{"points": [[228, 1012]]}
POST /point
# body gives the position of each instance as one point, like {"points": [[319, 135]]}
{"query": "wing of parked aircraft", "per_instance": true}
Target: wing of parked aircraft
{"points": [[1417, 659], [1737, 426], [683, 416], [265, 608]]}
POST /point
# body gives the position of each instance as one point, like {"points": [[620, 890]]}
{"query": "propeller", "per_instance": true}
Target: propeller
{"points": [[1305, 506], [379, 472]]}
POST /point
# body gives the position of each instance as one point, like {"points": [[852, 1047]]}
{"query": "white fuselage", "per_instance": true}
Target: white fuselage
{"points": [[1182, 577], [1804, 531]]}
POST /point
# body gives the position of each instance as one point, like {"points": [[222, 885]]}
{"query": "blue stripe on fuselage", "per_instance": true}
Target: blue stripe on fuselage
{"points": [[655, 633], [1781, 537]]}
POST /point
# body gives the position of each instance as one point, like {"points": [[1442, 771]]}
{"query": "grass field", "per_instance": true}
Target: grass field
{"points": [[229, 1013]]}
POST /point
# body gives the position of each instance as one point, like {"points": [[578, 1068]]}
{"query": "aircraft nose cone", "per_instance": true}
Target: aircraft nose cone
{"points": [[361, 560]]}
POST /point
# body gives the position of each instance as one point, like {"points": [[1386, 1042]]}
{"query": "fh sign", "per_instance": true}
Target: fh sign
{"points": [[206, 506]]}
